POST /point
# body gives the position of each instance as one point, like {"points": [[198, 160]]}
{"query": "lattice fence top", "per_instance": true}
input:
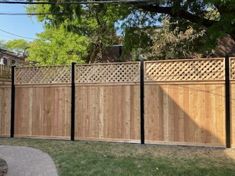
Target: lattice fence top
{"points": [[5, 72], [181, 70], [185, 70], [43, 75], [232, 68], [108, 73]]}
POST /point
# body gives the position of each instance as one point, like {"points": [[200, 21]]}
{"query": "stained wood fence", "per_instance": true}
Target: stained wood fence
{"points": [[5, 100], [177, 102]]}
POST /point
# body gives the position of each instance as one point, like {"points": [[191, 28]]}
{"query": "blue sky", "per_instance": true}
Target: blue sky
{"points": [[26, 26], [21, 25]]}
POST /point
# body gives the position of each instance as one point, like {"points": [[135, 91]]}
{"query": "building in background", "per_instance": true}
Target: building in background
{"points": [[10, 58], [115, 53]]}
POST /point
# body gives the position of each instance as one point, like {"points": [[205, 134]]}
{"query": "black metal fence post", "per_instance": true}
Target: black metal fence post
{"points": [[142, 135], [73, 101], [12, 128], [227, 102]]}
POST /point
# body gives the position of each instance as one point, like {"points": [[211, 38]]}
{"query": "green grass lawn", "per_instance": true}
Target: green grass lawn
{"points": [[115, 159]]}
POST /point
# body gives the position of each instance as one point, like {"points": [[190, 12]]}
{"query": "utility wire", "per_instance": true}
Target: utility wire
{"points": [[77, 2], [17, 35], [30, 14], [65, 2]]}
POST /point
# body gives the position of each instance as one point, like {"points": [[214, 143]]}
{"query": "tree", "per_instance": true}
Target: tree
{"points": [[195, 11], [216, 16], [58, 46], [2, 44], [18, 46], [95, 22], [170, 44], [163, 42]]}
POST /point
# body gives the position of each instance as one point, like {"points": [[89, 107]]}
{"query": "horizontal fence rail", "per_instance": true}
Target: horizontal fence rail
{"points": [[165, 102]]}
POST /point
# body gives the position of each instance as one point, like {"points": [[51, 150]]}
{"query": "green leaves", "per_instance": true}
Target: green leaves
{"points": [[98, 24], [93, 22], [19, 46], [58, 46]]}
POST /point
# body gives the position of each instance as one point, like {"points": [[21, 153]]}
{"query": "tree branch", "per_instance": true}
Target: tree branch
{"points": [[178, 13]]}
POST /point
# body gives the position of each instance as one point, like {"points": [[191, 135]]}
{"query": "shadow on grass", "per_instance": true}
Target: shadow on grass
{"points": [[101, 158]]}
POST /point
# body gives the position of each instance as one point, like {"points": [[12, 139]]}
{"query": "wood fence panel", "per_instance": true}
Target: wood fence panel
{"points": [[43, 111], [5, 108], [185, 102], [107, 113], [232, 100], [186, 114], [233, 114]]}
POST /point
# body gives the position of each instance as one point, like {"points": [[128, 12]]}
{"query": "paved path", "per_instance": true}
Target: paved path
{"points": [[26, 161]]}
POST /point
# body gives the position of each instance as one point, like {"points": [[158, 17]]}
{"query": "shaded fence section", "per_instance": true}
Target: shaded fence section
{"points": [[232, 99], [5, 100], [184, 102]]}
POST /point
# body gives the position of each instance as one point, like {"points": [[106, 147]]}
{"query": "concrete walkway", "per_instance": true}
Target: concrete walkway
{"points": [[26, 161]]}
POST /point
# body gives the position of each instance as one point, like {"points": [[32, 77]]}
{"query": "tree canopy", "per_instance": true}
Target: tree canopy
{"points": [[57, 46], [216, 16], [90, 21], [200, 12], [18, 46], [193, 25], [2, 44]]}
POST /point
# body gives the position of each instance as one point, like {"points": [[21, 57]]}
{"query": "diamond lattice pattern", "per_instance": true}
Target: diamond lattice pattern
{"points": [[107, 73], [232, 67], [190, 70], [43, 75], [5, 72]]}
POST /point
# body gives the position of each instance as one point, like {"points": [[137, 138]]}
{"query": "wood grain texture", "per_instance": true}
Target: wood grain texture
{"points": [[185, 113], [184, 102], [42, 111], [5, 108], [108, 113], [233, 114]]}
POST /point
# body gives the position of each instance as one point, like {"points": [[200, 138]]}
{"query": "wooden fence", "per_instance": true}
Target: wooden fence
{"points": [[184, 102], [5, 100]]}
